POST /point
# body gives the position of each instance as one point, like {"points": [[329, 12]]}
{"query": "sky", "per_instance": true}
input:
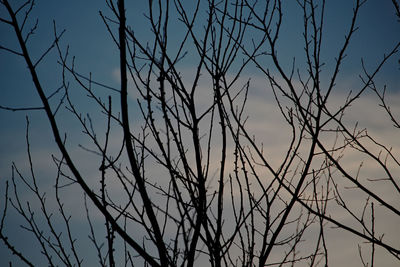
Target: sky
{"points": [[96, 54]]}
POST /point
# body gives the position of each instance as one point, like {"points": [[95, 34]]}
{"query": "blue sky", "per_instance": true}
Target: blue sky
{"points": [[95, 53]]}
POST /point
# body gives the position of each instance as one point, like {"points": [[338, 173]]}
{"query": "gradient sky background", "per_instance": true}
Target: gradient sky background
{"points": [[95, 52]]}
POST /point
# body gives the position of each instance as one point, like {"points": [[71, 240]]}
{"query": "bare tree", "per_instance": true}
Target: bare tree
{"points": [[182, 178]]}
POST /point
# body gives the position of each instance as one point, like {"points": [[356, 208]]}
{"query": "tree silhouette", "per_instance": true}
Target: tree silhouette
{"points": [[184, 174]]}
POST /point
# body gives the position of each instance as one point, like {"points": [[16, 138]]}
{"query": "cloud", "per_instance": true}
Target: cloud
{"points": [[267, 125]]}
